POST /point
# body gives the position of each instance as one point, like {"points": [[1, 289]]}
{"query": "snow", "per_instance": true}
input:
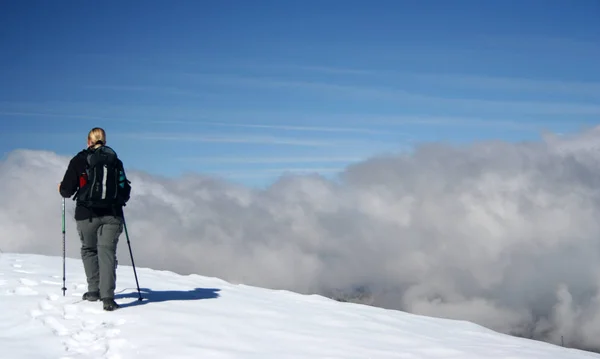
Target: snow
{"points": [[199, 317]]}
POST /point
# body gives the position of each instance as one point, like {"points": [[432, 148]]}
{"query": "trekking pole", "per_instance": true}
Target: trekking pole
{"points": [[132, 263], [64, 288]]}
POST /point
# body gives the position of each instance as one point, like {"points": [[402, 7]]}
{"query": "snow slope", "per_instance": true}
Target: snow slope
{"points": [[200, 317]]}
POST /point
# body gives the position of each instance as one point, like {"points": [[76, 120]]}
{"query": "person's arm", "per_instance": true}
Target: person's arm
{"points": [[70, 182]]}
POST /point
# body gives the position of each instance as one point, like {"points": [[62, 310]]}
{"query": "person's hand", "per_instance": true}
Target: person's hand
{"points": [[59, 187]]}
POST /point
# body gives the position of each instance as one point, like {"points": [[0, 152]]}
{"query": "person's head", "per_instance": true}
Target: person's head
{"points": [[96, 137]]}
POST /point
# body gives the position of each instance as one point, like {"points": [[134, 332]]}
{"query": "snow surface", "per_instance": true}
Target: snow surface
{"points": [[199, 317]]}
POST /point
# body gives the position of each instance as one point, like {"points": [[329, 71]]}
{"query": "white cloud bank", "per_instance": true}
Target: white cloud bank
{"points": [[506, 235]]}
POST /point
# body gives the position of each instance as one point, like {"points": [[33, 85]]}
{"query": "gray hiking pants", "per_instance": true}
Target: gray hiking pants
{"points": [[99, 240]]}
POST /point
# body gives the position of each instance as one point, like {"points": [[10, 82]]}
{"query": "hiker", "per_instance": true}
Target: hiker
{"points": [[97, 179]]}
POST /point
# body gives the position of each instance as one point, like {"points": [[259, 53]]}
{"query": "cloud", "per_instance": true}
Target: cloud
{"points": [[268, 172], [456, 122], [387, 93], [294, 127], [503, 234], [190, 137], [266, 119], [48, 114], [320, 69], [168, 90], [268, 160], [591, 89]]}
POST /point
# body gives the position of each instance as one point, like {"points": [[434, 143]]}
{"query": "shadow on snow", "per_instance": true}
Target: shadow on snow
{"points": [[152, 296]]}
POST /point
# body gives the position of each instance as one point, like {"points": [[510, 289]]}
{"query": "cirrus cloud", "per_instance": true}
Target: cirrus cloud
{"points": [[502, 234]]}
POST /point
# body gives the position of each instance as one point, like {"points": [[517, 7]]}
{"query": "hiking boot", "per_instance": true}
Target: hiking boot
{"points": [[109, 304], [91, 296]]}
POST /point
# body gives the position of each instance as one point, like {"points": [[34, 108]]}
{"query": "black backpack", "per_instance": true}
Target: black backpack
{"points": [[106, 185]]}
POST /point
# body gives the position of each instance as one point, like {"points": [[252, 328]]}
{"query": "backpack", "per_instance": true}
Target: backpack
{"points": [[104, 183]]}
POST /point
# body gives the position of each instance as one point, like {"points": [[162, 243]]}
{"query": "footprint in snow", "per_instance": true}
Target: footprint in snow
{"points": [[57, 327], [51, 282], [23, 271], [24, 291], [46, 306], [70, 311], [28, 282], [35, 313], [83, 328], [97, 338]]}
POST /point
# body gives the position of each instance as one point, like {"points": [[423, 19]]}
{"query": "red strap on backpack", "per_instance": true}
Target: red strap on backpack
{"points": [[82, 179]]}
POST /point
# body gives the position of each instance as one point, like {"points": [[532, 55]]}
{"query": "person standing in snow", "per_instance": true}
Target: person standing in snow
{"points": [[97, 179]]}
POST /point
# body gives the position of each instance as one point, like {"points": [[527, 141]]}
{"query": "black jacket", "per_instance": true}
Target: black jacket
{"points": [[70, 185]]}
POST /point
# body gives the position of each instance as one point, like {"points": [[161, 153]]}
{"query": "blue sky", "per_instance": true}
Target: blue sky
{"points": [[251, 89]]}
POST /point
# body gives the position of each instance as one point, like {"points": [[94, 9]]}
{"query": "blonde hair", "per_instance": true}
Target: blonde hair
{"points": [[96, 136]]}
